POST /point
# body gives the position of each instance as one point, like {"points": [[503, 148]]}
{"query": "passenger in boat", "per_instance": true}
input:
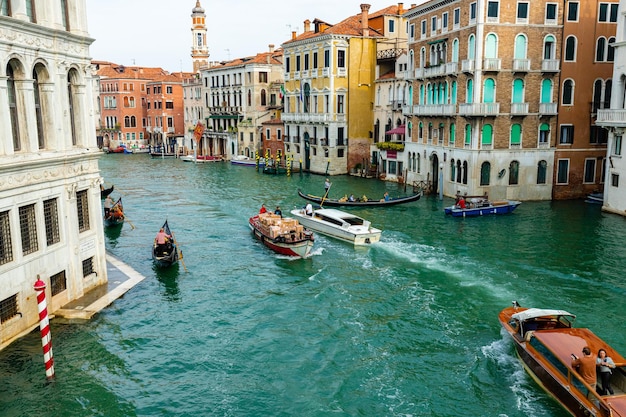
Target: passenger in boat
{"points": [[461, 204], [278, 211], [162, 241], [263, 209], [386, 196], [308, 210], [605, 364], [586, 367], [108, 203], [351, 198]]}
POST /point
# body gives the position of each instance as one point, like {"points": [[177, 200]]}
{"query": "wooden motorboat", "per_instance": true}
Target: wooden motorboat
{"points": [[481, 206], [104, 192], [545, 341], [115, 216], [282, 234], [340, 225], [330, 202], [167, 254]]}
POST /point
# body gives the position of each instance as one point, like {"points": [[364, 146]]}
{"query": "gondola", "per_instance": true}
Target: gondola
{"points": [[331, 202], [165, 255], [104, 192], [115, 216]]}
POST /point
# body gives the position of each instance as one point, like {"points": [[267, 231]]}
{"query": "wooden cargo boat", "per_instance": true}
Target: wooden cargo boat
{"points": [[545, 341], [340, 225], [282, 235]]}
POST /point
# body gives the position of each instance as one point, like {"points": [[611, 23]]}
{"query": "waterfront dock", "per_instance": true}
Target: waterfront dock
{"points": [[121, 278]]}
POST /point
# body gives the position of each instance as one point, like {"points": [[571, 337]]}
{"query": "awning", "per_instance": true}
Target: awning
{"points": [[396, 131]]}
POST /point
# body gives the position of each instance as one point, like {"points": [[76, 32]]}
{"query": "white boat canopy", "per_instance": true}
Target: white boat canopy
{"points": [[533, 313]]}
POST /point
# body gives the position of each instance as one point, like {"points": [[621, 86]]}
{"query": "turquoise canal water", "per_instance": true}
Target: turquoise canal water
{"points": [[407, 327]]}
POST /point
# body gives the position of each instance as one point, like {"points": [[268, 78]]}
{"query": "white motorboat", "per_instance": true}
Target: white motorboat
{"points": [[340, 225]]}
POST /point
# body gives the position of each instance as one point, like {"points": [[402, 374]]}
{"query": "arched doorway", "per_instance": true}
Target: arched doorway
{"points": [[307, 151], [434, 172]]}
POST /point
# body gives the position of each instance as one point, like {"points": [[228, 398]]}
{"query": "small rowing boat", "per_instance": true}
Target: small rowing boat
{"points": [[547, 345], [283, 235]]}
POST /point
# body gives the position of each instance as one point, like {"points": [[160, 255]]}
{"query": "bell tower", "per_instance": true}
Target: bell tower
{"points": [[199, 48]]}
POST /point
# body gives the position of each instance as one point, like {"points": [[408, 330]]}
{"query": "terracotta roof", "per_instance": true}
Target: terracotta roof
{"points": [[388, 75], [350, 26], [111, 70], [272, 58]]}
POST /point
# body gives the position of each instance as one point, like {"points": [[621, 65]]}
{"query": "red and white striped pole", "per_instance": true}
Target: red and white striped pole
{"points": [[44, 327]]}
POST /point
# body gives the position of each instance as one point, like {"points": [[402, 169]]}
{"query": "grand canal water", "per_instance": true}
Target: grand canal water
{"points": [[407, 327]]}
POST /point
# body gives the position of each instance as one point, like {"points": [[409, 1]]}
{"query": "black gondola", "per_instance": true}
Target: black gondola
{"points": [[331, 202], [104, 192], [165, 255], [115, 216]]}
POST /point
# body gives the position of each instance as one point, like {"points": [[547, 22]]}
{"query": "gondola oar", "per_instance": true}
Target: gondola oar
{"points": [[326, 194], [132, 226], [180, 252]]}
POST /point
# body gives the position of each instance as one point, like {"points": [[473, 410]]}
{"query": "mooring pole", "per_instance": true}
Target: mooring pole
{"points": [[44, 327]]}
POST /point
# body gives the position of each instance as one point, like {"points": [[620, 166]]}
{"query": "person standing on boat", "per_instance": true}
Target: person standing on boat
{"points": [[308, 210], [605, 364], [326, 186], [586, 368], [278, 211]]}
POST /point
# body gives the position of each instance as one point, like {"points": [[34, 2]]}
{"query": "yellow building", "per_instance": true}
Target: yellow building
{"points": [[329, 90]]}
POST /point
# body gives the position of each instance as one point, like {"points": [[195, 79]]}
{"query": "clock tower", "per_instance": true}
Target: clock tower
{"points": [[199, 48]]}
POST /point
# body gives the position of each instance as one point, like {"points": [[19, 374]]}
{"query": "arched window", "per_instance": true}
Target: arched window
{"points": [[452, 133], [546, 91], [471, 47], [264, 100], [422, 57], [570, 48], [464, 172], [520, 46], [39, 73], [249, 98], [126, 121], [610, 50], [608, 87], [491, 46], [468, 134], [542, 170], [422, 94], [133, 121], [597, 96], [544, 133], [568, 92], [452, 170], [516, 134], [487, 134], [489, 91], [459, 173], [469, 91], [518, 91], [485, 173], [12, 97], [549, 47], [73, 103], [453, 93], [600, 47], [455, 50], [513, 173]]}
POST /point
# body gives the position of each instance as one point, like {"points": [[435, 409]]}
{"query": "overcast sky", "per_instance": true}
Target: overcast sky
{"points": [[157, 33]]}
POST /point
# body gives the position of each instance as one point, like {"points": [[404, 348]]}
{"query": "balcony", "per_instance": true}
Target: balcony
{"points": [[550, 65], [479, 109], [547, 109], [419, 73], [519, 109], [435, 110], [521, 65], [468, 65], [611, 117], [492, 64]]}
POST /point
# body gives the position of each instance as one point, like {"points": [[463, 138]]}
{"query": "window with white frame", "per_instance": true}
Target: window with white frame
{"points": [[570, 48], [493, 10], [607, 12], [551, 13], [423, 31], [444, 22], [567, 135], [572, 11], [562, 173], [472, 13], [522, 12], [589, 176], [433, 25], [617, 145], [457, 18]]}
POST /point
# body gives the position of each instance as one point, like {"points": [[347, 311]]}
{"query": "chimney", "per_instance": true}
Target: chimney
{"points": [[271, 46], [307, 26], [293, 35], [400, 8], [365, 20]]}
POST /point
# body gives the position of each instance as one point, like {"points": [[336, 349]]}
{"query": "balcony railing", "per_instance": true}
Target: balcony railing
{"points": [[492, 64], [479, 109], [468, 65], [521, 65], [519, 109], [611, 117], [435, 110], [547, 109], [550, 65]]}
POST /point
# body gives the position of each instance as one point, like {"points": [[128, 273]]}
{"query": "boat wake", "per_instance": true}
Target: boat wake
{"points": [[501, 352]]}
